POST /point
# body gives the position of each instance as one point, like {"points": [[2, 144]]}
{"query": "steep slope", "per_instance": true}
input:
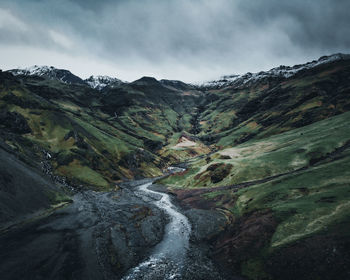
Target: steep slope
{"points": [[94, 138], [287, 197], [145, 108], [235, 114], [24, 192], [280, 174]]}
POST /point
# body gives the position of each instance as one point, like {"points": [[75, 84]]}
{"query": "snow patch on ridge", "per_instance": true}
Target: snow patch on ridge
{"points": [[65, 76], [278, 72], [34, 70], [50, 72], [100, 82]]}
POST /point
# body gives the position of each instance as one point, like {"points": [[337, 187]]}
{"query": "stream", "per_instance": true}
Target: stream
{"points": [[132, 233], [168, 257]]}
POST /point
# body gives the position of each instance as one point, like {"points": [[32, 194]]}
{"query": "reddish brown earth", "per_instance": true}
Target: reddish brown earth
{"points": [[243, 239], [325, 256]]}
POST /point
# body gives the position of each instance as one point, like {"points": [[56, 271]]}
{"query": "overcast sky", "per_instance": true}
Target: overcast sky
{"points": [[189, 40]]}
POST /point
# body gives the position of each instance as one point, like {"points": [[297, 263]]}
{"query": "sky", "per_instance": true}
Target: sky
{"points": [[188, 40]]}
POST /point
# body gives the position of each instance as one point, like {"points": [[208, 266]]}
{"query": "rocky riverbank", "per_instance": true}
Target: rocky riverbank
{"points": [[101, 235], [98, 236]]}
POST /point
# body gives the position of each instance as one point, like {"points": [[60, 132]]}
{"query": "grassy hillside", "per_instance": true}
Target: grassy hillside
{"points": [[271, 156], [234, 115], [280, 174], [95, 138], [298, 188]]}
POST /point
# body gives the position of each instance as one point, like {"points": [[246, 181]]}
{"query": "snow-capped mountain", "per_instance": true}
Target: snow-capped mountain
{"points": [[278, 72], [65, 76], [245, 80], [101, 82], [49, 72]]}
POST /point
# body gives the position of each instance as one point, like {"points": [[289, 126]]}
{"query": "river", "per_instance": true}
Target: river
{"points": [[168, 257], [131, 233]]}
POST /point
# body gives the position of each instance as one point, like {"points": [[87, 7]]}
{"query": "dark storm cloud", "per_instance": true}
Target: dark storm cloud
{"points": [[184, 39], [321, 24]]}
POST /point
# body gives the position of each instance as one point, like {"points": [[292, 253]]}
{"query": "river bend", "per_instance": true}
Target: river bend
{"points": [[168, 257]]}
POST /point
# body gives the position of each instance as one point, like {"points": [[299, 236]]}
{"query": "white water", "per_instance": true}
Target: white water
{"points": [[167, 258]]}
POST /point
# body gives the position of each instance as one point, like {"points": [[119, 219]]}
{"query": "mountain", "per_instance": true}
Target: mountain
{"points": [[280, 72], [278, 171], [267, 158], [101, 82], [174, 84], [49, 72], [65, 76], [146, 81]]}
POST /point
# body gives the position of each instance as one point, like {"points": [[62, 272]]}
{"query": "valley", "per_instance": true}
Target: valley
{"points": [[261, 188]]}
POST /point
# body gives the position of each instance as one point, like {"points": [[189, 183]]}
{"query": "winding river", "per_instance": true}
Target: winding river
{"points": [[168, 257]]}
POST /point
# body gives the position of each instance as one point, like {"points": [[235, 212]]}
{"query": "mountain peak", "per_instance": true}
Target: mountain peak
{"points": [[277, 72], [49, 72], [100, 82], [175, 84], [146, 81]]}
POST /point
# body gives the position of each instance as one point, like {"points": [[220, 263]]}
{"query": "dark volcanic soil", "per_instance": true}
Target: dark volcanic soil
{"points": [[95, 236], [102, 236], [99, 236]]}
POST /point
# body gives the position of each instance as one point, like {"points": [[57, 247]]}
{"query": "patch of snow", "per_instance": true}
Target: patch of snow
{"points": [[100, 82], [50, 72], [65, 76], [34, 70], [278, 72]]}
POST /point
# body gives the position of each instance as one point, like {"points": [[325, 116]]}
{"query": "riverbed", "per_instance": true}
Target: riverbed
{"points": [[131, 233], [168, 257]]}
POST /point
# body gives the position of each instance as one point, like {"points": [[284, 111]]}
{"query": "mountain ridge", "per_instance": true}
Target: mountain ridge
{"points": [[50, 72], [276, 72], [101, 82]]}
